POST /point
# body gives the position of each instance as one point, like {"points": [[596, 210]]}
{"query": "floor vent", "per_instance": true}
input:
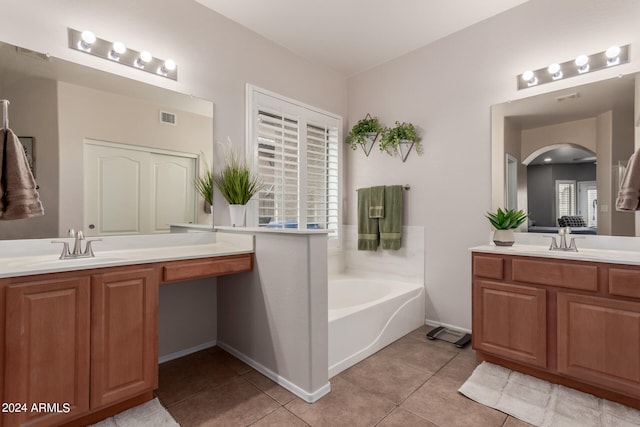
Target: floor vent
{"points": [[168, 118]]}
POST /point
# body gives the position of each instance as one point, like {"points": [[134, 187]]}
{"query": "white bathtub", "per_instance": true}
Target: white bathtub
{"points": [[366, 315]]}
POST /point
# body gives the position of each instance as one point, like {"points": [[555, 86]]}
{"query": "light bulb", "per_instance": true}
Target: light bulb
{"points": [[117, 49], [613, 51], [530, 78], [612, 55], [168, 66], [143, 59], [582, 62], [554, 70], [87, 38]]}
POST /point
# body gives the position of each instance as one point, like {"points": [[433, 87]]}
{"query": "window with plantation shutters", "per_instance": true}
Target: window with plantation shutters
{"points": [[295, 151], [565, 198]]}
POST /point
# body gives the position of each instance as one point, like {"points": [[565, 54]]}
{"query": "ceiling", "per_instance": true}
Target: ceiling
{"points": [[352, 36]]}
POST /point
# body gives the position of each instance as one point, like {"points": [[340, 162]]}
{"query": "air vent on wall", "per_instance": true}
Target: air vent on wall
{"points": [[574, 95], [168, 118]]}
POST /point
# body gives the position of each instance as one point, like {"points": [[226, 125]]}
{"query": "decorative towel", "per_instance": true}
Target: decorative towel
{"points": [[629, 193], [19, 198], [376, 202], [367, 227], [391, 224]]}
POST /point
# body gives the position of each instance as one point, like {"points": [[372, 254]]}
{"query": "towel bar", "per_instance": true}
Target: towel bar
{"points": [[406, 187]]}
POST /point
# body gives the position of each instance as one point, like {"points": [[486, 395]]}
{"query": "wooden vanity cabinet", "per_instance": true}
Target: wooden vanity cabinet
{"points": [[571, 322], [124, 334], [47, 349], [84, 339]]}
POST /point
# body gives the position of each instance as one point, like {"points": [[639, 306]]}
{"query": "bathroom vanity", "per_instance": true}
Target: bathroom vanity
{"points": [[569, 318], [80, 336]]}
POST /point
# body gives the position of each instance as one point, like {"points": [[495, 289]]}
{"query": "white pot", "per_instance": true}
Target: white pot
{"points": [[236, 212], [504, 237]]}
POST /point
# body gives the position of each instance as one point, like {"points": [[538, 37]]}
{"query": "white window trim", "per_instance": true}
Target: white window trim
{"points": [[251, 155]]}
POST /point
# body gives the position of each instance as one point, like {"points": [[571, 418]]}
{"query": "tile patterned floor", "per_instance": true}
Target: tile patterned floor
{"points": [[412, 382]]}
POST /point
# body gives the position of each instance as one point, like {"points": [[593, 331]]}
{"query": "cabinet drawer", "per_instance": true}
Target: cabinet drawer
{"points": [[566, 275], [192, 269], [624, 282], [489, 267]]}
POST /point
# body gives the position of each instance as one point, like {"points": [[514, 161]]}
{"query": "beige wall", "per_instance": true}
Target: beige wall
{"points": [[580, 132]]}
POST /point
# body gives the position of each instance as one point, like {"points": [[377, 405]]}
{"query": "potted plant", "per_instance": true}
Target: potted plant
{"points": [[504, 222], [401, 138], [238, 184], [204, 185], [364, 133]]}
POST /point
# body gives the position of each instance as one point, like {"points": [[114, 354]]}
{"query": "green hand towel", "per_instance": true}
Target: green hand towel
{"points": [[376, 202], [391, 224], [367, 227]]}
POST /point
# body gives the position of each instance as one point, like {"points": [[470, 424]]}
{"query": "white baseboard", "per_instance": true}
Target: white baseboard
{"points": [[186, 352], [446, 325], [309, 397]]}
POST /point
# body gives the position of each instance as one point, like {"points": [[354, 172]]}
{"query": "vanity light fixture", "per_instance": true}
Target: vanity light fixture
{"points": [[613, 56], [87, 42], [547, 159]]}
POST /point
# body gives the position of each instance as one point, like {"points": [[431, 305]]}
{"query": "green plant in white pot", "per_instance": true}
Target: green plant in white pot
{"points": [[505, 222], [238, 184], [400, 139], [364, 133]]}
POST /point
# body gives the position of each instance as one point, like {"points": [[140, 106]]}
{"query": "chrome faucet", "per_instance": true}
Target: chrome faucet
{"points": [[77, 251], [563, 232]]}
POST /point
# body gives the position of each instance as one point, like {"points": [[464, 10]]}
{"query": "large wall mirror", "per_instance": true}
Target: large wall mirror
{"points": [[111, 155], [561, 156]]}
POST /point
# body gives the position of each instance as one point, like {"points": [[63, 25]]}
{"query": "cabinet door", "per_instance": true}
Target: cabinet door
{"points": [[47, 350], [124, 335], [599, 341], [510, 321]]}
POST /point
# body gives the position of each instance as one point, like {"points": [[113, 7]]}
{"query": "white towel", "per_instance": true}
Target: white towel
{"points": [[19, 198], [629, 192]]}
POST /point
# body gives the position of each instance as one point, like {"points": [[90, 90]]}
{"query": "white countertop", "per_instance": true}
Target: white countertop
{"points": [[595, 255], [119, 251], [275, 230]]}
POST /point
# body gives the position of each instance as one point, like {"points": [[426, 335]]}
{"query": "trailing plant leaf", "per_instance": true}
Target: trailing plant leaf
{"points": [[391, 137], [359, 132], [507, 219]]}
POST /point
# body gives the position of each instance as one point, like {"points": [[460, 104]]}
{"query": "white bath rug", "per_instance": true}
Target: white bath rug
{"points": [[149, 414], [542, 403]]}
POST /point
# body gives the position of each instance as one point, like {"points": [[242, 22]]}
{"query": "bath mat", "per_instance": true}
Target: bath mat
{"points": [[149, 414], [541, 403]]}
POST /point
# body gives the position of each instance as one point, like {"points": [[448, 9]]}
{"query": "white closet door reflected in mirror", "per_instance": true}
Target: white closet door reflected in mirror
{"points": [[135, 190]]}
